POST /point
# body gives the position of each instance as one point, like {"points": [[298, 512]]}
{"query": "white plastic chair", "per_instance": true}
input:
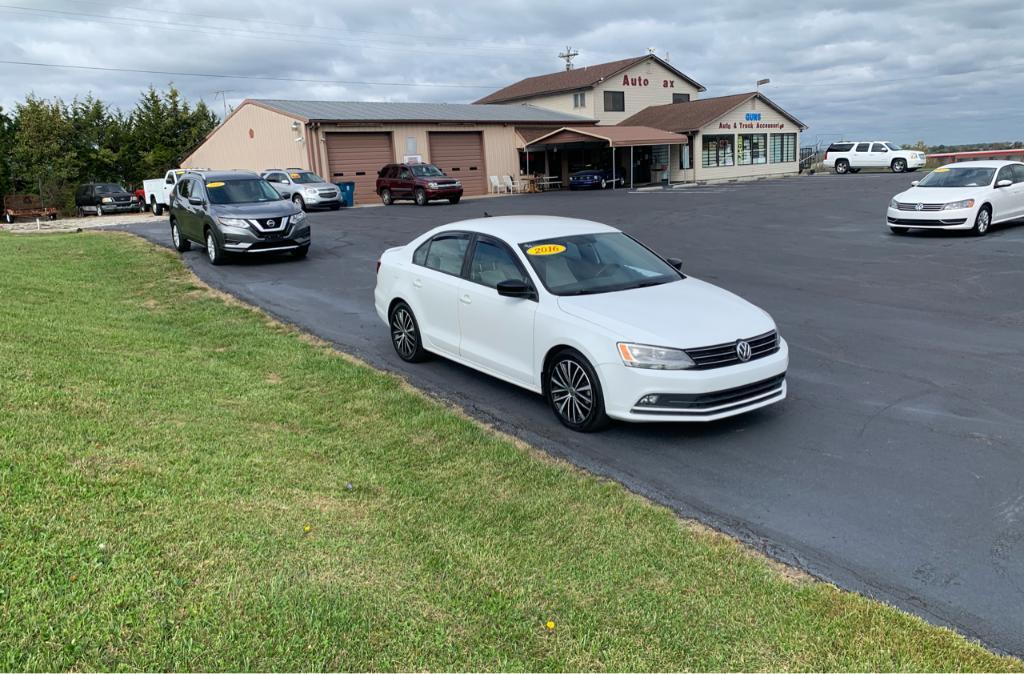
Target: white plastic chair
{"points": [[512, 185], [496, 185]]}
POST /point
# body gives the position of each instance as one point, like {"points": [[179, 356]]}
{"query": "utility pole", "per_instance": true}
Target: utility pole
{"points": [[568, 55], [223, 93]]}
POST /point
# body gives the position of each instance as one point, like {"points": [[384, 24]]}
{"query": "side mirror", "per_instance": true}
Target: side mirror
{"points": [[195, 201], [1004, 183], [515, 288], [913, 183], [675, 262]]}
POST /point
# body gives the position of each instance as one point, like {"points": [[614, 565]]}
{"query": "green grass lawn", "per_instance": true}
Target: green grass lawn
{"points": [[188, 486]]}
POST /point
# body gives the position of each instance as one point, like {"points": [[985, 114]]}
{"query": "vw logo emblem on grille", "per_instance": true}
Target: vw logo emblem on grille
{"points": [[743, 351], [919, 207]]}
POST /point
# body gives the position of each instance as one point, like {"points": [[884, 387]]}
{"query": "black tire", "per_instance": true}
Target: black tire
{"points": [[842, 166], [301, 252], [898, 165], [155, 208], [573, 391], [79, 213], [300, 202], [335, 207], [899, 231], [181, 244], [8, 218], [453, 200], [385, 197], [420, 196], [213, 250], [52, 217], [982, 221], [99, 211], [405, 334], [855, 170]]}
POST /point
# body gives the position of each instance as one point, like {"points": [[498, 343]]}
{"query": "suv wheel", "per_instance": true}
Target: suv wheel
{"points": [[181, 244], [405, 334], [982, 221], [453, 200], [842, 166], [158, 209], [213, 251], [299, 201], [574, 392], [385, 196], [421, 196], [300, 252], [899, 165]]}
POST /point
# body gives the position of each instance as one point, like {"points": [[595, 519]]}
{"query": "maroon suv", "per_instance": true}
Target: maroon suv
{"points": [[420, 182]]}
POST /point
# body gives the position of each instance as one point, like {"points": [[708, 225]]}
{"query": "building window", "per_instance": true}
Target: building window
{"points": [[716, 151], [680, 98], [579, 100], [751, 148], [615, 101], [782, 148]]}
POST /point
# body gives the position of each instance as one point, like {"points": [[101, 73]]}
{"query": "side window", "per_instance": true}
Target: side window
{"points": [[183, 188], [170, 179], [614, 101], [446, 253], [405, 174], [1005, 173], [492, 263], [863, 147], [420, 256], [1018, 173], [879, 147]]}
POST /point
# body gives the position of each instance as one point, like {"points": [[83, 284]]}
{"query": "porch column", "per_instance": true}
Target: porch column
{"points": [[630, 167], [613, 167]]}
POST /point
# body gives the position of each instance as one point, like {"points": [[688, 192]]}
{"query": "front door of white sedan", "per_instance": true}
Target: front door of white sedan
{"points": [[1008, 201], [436, 280], [497, 331]]}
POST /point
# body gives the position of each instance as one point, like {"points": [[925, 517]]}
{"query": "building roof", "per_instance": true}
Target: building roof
{"points": [[694, 115], [360, 111], [615, 136], [577, 78]]}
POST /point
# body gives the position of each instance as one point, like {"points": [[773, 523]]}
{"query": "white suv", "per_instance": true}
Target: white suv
{"points": [[852, 156]]}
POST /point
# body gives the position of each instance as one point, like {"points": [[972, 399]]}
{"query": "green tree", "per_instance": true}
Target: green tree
{"points": [[44, 153], [163, 128], [6, 148]]}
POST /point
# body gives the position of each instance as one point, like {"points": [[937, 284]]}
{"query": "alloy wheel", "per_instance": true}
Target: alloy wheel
{"points": [[984, 220], [403, 333], [211, 248], [175, 236], [572, 391]]}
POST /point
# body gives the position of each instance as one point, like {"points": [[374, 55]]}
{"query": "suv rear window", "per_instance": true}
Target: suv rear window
{"points": [[840, 147]]}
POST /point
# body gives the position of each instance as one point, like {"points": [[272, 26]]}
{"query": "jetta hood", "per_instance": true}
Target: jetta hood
{"points": [[683, 314], [266, 209], [940, 195]]}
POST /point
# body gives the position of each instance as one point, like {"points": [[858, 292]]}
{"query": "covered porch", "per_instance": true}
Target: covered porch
{"points": [[635, 155]]}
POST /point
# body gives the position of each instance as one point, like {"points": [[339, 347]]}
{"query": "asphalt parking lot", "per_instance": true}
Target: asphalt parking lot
{"points": [[896, 466]]}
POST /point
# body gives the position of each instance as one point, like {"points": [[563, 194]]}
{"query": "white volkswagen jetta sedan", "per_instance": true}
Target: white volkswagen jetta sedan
{"points": [[970, 195], [583, 314]]}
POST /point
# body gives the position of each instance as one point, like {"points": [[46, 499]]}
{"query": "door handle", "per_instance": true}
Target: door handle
{"points": [[466, 299], [418, 283]]}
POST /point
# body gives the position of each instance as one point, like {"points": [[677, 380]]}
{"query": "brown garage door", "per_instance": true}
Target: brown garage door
{"points": [[356, 157], [461, 155]]}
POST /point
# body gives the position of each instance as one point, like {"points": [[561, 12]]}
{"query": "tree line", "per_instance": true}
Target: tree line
{"points": [[48, 147]]}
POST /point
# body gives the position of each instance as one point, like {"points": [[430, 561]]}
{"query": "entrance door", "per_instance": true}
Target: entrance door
{"points": [[641, 165], [357, 157], [461, 156]]}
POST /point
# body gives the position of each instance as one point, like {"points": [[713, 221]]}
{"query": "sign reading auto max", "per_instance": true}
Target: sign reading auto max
{"points": [[640, 81]]}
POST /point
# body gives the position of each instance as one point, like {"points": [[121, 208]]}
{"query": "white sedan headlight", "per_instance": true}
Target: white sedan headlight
{"points": [[956, 205], [233, 222], [653, 357], [894, 204]]}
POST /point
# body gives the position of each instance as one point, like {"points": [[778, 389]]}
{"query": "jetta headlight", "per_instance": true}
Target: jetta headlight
{"points": [[955, 205], [653, 357], [894, 204], [233, 222]]}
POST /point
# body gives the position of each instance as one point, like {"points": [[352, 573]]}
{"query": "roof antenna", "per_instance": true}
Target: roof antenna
{"points": [[568, 55], [651, 50]]}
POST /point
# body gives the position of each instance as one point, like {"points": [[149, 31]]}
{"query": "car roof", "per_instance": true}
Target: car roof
{"points": [[981, 163], [226, 175], [524, 228]]}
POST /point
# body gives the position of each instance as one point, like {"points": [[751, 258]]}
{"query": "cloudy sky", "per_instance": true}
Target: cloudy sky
{"points": [[943, 71]]}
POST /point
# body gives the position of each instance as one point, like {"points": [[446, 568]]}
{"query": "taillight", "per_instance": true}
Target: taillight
{"points": [[378, 267], [826, 156]]}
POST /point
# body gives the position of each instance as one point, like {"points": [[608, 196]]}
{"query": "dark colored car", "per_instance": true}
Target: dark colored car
{"points": [[420, 182], [103, 198], [594, 178], [235, 212]]}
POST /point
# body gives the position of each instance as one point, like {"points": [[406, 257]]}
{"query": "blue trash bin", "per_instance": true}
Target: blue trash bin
{"points": [[348, 193]]}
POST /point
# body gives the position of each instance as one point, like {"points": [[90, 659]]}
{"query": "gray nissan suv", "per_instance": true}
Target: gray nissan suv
{"points": [[235, 212], [305, 188]]}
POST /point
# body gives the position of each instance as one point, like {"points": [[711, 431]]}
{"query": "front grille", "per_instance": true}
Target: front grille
{"points": [[716, 401], [122, 200], [328, 194], [264, 225], [724, 355], [913, 207]]}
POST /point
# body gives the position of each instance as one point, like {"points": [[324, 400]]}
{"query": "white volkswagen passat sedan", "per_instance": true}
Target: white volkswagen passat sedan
{"points": [[583, 314], [970, 195]]}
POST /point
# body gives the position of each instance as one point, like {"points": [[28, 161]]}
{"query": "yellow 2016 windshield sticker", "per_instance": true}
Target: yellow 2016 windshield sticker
{"points": [[546, 249], [294, 175], [215, 184], [942, 170]]}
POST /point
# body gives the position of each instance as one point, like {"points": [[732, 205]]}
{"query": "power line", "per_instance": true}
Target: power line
{"points": [[254, 77]]}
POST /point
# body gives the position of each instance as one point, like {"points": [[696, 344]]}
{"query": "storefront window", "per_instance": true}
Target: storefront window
{"points": [[716, 151], [751, 148], [782, 148]]}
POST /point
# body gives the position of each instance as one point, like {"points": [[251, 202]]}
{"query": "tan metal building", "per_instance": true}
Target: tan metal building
{"points": [[351, 141]]}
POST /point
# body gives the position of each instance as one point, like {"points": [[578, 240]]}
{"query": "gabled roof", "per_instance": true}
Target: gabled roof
{"points": [[359, 111], [694, 115], [577, 78]]}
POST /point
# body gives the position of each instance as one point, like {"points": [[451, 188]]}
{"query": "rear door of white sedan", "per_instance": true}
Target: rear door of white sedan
{"points": [[436, 277], [497, 332]]}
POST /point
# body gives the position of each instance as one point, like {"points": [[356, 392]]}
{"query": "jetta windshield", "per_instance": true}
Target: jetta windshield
{"points": [[958, 177], [249, 191], [596, 263]]}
